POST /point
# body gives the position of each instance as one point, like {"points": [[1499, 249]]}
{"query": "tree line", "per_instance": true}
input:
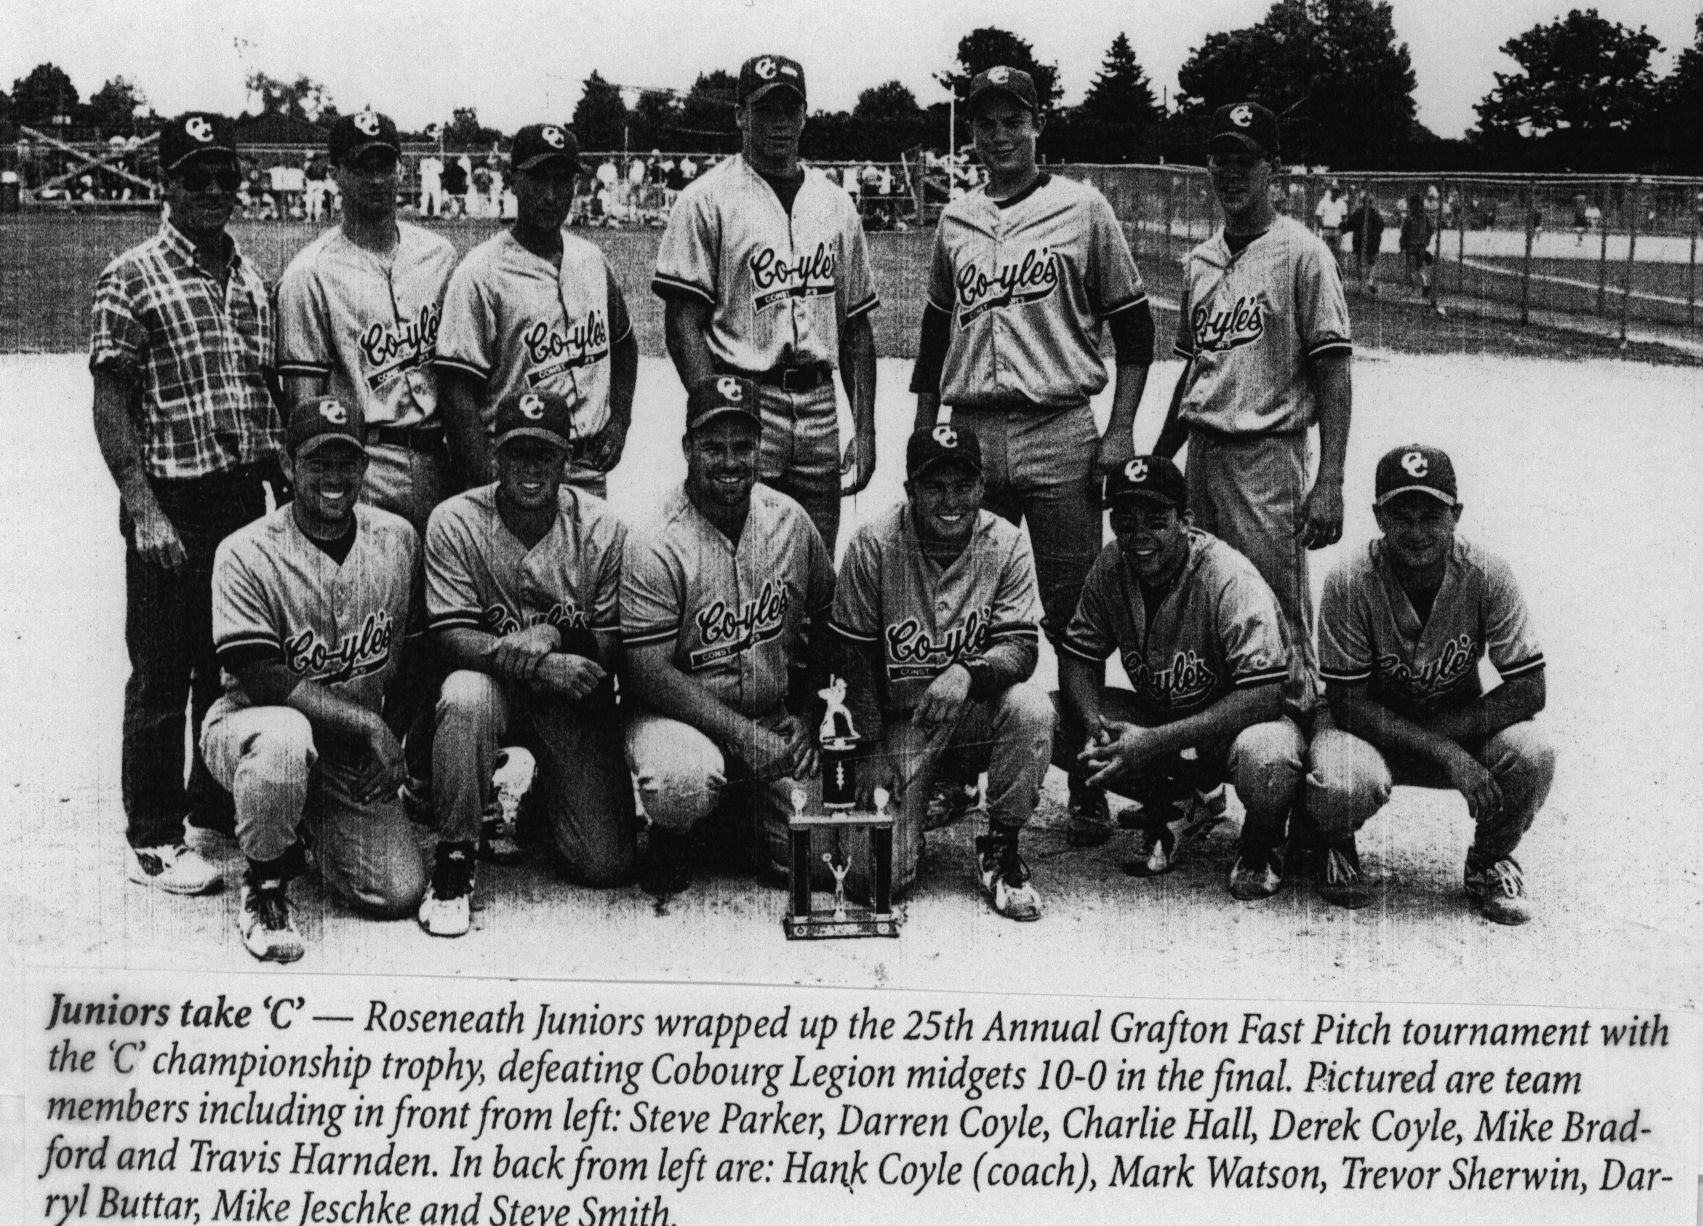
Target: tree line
{"points": [[1584, 97]]}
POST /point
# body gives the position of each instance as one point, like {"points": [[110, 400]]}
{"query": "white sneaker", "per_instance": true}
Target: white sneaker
{"points": [[266, 922], [175, 868], [1004, 878], [447, 908]]}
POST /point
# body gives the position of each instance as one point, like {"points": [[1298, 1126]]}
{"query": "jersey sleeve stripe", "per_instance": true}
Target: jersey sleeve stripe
{"points": [[481, 373], [1520, 669], [299, 366], [241, 642], [624, 335], [456, 619], [945, 308], [1251, 680], [648, 636], [1080, 652], [1183, 351], [1012, 628], [1334, 344], [864, 307], [852, 636], [1360, 674], [1120, 308], [667, 287]]}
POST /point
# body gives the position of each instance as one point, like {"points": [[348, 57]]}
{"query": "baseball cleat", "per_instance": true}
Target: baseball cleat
{"points": [[1341, 881], [1255, 875], [1089, 821], [447, 908], [1499, 889], [951, 802], [266, 922], [1004, 877], [175, 868], [1170, 830]]}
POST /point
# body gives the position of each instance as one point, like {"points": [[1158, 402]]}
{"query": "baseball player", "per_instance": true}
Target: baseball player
{"points": [[310, 608], [358, 316], [717, 592], [1402, 628], [1026, 270], [764, 275], [535, 309], [180, 352], [1264, 335], [522, 579], [1201, 638], [937, 619]]}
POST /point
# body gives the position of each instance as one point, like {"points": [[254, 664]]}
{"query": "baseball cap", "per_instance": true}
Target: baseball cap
{"points": [[321, 421], [942, 444], [722, 395], [1245, 124], [1148, 476], [762, 73], [196, 133], [538, 143], [540, 415], [1013, 82], [353, 134], [1415, 469]]}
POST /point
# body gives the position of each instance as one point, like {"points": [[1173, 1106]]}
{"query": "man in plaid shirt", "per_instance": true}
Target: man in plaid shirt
{"points": [[180, 350]]}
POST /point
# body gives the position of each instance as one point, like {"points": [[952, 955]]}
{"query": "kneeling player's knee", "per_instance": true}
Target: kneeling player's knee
{"points": [[1348, 782], [393, 890], [676, 798], [1027, 712], [1266, 760], [281, 747], [467, 696], [1523, 759]]}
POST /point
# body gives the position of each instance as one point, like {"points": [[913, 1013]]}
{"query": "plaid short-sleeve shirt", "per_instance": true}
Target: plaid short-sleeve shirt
{"points": [[197, 353]]}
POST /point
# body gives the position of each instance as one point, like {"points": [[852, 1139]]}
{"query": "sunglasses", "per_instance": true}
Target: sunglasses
{"points": [[198, 178]]}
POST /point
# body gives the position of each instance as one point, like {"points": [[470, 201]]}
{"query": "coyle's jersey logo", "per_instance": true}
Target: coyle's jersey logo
{"points": [[354, 655], [1240, 323], [1018, 283], [501, 620], [1436, 677], [727, 631], [551, 350], [1187, 681], [395, 348], [912, 652], [775, 278]]}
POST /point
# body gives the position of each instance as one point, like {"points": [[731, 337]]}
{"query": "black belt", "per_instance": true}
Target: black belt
{"points": [[424, 437], [794, 379]]}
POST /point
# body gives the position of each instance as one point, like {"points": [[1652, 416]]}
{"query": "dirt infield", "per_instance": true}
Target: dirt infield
{"points": [[1580, 472]]}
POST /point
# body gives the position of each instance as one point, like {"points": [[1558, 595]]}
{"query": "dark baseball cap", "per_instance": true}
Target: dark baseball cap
{"points": [[1416, 469], [538, 143], [1013, 82], [1245, 125], [720, 396], [196, 134], [321, 421], [762, 73], [546, 416], [1150, 477], [355, 134], [943, 444]]}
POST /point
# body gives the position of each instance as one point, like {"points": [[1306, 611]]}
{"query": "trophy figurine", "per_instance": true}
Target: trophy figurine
{"points": [[838, 738]]}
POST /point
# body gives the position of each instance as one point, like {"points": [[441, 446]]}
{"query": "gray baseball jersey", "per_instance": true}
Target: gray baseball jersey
{"points": [[1248, 324], [516, 322], [368, 323], [1215, 631], [782, 286], [1027, 282], [734, 614], [928, 617], [1368, 631], [340, 624], [480, 576]]}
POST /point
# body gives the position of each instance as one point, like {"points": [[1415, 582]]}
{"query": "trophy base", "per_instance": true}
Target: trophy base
{"points": [[825, 927]]}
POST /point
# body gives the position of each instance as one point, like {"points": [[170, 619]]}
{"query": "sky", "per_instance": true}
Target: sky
{"points": [[521, 61]]}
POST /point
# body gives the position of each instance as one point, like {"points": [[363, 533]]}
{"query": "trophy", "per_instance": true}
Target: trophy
{"points": [[838, 739]]}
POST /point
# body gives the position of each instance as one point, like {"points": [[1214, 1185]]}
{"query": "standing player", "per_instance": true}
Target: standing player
{"points": [[310, 606], [358, 313], [534, 309], [180, 349], [764, 275], [717, 592], [937, 619], [1199, 633], [522, 579], [1403, 625], [1025, 271], [1264, 335]]}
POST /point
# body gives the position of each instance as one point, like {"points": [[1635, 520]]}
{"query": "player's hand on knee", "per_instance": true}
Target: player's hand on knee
{"points": [[1322, 519], [606, 449], [158, 542], [857, 466], [518, 655], [385, 770], [879, 771], [943, 702], [1119, 750], [800, 747], [1474, 781], [568, 675]]}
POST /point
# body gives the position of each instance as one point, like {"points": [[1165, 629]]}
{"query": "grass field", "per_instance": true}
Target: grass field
{"points": [[1658, 279]]}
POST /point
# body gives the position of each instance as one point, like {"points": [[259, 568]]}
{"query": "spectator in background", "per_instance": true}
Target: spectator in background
{"points": [[431, 186], [1327, 217], [455, 187], [479, 195], [1416, 232], [317, 178], [1365, 229]]}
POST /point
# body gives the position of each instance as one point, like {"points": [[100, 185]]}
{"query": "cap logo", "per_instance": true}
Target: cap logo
{"points": [[199, 129], [1000, 75], [765, 68], [1135, 471], [727, 387], [1415, 464], [334, 412], [531, 407], [367, 123], [552, 137], [946, 436]]}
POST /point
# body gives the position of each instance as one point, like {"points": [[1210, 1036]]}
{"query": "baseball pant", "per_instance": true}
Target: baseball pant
{"points": [[683, 775], [407, 479], [1250, 492], [1350, 780], [582, 784], [168, 632], [1264, 762], [1010, 736], [801, 452], [367, 854], [1039, 469]]}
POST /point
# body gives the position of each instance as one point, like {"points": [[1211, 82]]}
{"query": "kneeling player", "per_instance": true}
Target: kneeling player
{"points": [[310, 605], [522, 582], [1402, 627], [1201, 637], [936, 620]]}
